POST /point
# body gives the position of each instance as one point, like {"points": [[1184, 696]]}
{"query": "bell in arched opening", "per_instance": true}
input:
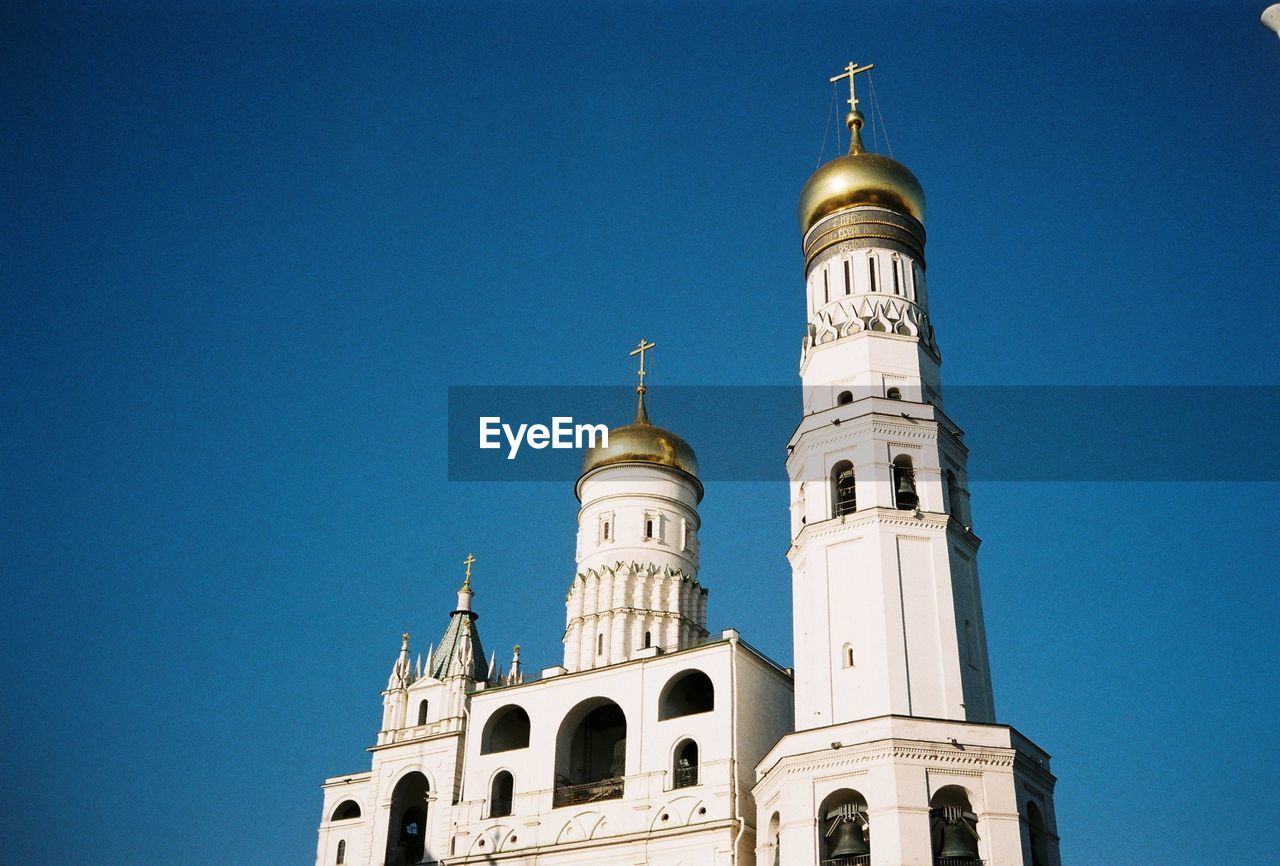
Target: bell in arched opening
{"points": [[904, 484], [955, 834], [846, 834], [846, 489]]}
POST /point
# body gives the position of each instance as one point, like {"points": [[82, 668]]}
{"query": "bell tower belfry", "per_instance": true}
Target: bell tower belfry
{"points": [[896, 759]]}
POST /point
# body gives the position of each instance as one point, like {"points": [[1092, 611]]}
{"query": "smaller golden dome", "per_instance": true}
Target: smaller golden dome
{"points": [[642, 442], [859, 178]]}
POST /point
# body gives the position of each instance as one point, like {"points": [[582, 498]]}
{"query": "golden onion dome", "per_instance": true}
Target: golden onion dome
{"points": [[642, 442], [859, 178]]}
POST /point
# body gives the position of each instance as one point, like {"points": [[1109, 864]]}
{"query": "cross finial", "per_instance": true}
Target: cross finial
{"points": [[640, 350], [850, 70], [468, 562], [642, 417]]}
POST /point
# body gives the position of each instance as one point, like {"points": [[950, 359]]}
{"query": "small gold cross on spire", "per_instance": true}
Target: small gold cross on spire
{"points": [[850, 71], [640, 350], [468, 562]]}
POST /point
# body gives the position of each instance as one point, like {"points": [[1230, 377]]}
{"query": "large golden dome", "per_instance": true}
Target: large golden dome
{"points": [[859, 178], [642, 442]]}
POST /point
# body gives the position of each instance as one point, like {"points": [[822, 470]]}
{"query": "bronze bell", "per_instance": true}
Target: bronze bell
{"points": [[846, 839], [905, 484], [959, 838]]}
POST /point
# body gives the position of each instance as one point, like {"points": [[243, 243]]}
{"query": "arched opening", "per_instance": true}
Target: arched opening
{"points": [[894, 393], [342, 852], [775, 839], [872, 273], [686, 694], [500, 794], [648, 528], [1038, 836], [847, 655], [844, 832], [407, 827], [904, 484], [422, 713], [648, 639], [954, 828], [591, 753], [844, 494], [599, 644], [685, 772], [346, 810], [844, 398], [505, 730]]}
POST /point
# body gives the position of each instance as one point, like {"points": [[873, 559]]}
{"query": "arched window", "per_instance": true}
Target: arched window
{"points": [[897, 274], [954, 827], [844, 398], [591, 753], [648, 639], [407, 828], [505, 730], [894, 393], [342, 852], [500, 794], [904, 484], [1038, 836], [826, 285], [685, 772], [685, 694], [648, 528], [422, 713], [843, 829], [599, 644], [848, 278], [775, 838], [346, 810], [871, 271], [846, 655], [844, 489]]}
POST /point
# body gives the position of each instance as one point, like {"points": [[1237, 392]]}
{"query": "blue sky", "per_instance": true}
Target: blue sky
{"points": [[247, 248]]}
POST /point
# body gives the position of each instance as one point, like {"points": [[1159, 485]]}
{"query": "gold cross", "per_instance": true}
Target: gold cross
{"points": [[849, 71], [468, 562], [640, 350]]}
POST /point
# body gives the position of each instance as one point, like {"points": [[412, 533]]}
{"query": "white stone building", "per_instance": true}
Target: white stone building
{"points": [[658, 742]]}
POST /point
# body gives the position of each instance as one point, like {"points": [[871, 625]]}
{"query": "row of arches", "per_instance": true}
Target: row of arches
{"points": [[906, 495], [844, 398], [844, 830], [687, 693], [591, 743], [844, 487]]}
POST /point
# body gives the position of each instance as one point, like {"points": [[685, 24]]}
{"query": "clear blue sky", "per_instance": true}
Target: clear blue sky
{"points": [[246, 250]]}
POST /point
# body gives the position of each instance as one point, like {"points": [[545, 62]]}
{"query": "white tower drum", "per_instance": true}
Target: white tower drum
{"points": [[636, 589]]}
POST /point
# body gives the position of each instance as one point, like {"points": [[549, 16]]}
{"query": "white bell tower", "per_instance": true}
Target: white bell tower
{"points": [[896, 759], [887, 612]]}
